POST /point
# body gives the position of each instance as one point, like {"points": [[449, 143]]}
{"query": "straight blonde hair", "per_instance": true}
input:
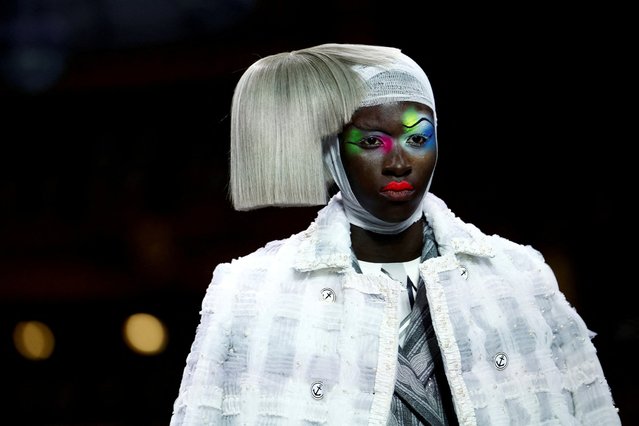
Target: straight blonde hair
{"points": [[283, 106]]}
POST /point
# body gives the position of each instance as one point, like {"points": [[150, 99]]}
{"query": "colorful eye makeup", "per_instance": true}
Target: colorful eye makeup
{"points": [[418, 133], [411, 117]]}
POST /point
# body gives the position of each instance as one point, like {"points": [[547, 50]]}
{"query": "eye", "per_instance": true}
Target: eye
{"points": [[418, 140], [370, 142]]}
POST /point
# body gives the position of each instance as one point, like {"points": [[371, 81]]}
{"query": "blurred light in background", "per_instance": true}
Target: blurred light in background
{"points": [[33, 340], [145, 334]]}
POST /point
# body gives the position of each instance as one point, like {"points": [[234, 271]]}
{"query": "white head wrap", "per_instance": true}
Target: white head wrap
{"points": [[402, 81]]}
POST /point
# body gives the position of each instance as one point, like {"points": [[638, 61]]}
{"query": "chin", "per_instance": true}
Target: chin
{"points": [[397, 214]]}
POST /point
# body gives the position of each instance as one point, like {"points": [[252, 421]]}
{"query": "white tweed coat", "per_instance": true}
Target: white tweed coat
{"points": [[292, 335]]}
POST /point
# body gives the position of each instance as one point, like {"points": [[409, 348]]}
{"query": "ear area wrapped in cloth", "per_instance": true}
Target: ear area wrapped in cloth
{"points": [[282, 108]]}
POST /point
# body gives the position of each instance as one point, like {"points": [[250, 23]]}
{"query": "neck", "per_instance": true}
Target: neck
{"points": [[382, 248]]}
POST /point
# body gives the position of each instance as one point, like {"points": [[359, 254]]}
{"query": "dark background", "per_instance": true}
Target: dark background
{"points": [[113, 171]]}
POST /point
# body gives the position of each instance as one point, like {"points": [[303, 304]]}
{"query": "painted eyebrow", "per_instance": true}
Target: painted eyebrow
{"points": [[418, 121]]}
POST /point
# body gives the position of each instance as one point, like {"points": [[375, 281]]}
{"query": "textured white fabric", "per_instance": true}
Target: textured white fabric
{"points": [[268, 332], [403, 81]]}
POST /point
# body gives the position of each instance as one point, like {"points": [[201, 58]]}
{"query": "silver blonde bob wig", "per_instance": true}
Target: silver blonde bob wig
{"points": [[283, 106]]}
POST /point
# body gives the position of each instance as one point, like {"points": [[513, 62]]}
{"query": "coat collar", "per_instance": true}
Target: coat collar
{"points": [[326, 244]]}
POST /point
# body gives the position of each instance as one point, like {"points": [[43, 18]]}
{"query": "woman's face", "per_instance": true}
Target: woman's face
{"points": [[389, 154]]}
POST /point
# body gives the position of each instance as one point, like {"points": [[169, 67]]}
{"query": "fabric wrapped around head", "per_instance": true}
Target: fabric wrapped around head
{"points": [[404, 80]]}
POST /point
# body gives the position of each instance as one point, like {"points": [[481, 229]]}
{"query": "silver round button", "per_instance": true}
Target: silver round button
{"points": [[328, 295], [463, 272], [317, 390], [500, 360]]}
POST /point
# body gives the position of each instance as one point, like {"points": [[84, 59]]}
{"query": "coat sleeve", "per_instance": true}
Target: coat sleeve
{"points": [[201, 395], [585, 386]]}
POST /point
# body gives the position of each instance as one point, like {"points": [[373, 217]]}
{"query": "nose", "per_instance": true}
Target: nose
{"points": [[396, 162]]}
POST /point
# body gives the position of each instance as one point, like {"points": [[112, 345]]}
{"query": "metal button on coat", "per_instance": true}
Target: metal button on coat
{"points": [[328, 295], [463, 272], [500, 360], [317, 390]]}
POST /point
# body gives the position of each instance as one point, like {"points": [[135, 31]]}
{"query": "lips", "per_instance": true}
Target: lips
{"points": [[398, 186], [398, 191]]}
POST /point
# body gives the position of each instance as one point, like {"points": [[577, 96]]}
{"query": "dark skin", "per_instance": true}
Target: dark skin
{"points": [[385, 145]]}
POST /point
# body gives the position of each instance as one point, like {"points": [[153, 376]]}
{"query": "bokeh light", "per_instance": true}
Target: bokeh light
{"points": [[145, 334], [34, 340]]}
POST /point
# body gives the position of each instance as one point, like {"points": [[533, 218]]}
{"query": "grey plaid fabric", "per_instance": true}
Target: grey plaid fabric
{"points": [[421, 396], [417, 399]]}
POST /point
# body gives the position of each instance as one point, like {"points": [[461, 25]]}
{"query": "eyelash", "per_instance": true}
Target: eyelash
{"points": [[423, 139]]}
